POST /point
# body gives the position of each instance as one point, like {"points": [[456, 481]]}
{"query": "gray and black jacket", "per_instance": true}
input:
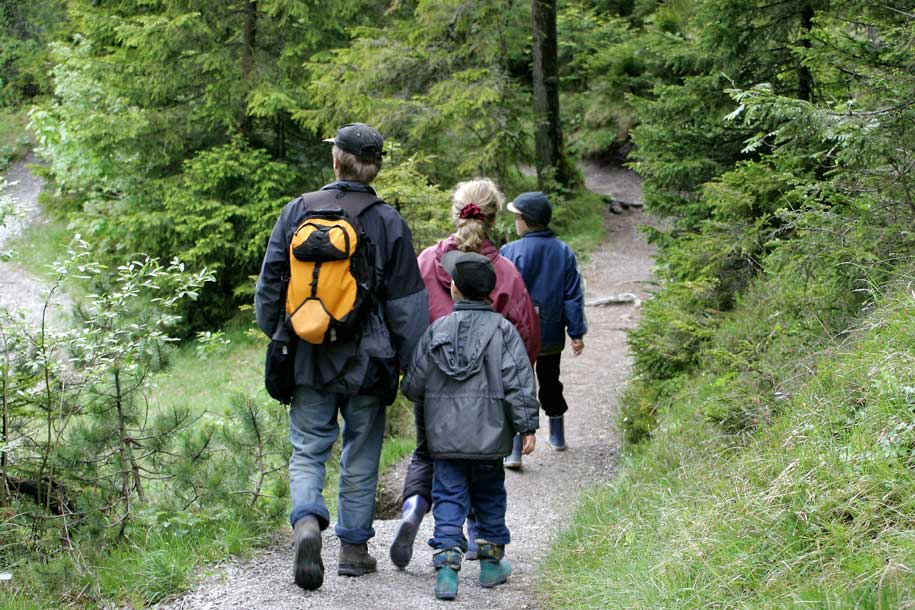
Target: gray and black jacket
{"points": [[471, 376], [371, 364]]}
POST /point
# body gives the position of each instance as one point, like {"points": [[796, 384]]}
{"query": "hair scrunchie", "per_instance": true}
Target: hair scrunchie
{"points": [[471, 210]]}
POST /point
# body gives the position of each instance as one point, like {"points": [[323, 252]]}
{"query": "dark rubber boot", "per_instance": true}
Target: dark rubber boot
{"points": [[557, 433], [355, 560], [308, 569], [414, 509], [513, 461], [494, 570], [447, 563], [472, 548]]}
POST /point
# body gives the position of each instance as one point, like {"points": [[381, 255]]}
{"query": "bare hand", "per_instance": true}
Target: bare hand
{"points": [[530, 442], [577, 346]]}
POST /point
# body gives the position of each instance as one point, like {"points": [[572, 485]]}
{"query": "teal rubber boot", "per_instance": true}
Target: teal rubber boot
{"points": [[494, 569], [447, 563]]}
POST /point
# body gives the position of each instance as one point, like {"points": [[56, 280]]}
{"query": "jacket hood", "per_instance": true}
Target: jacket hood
{"points": [[447, 245], [458, 348]]}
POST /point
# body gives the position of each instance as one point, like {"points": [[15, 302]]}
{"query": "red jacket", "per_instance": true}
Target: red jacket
{"points": [[509, 297]]}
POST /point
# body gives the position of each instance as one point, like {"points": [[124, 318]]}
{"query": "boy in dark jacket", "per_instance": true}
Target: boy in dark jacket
{"points": [[471, 376], [550, 271]]}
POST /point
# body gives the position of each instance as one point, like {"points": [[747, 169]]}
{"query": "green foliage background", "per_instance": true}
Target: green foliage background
{"points": [[768, 416]]}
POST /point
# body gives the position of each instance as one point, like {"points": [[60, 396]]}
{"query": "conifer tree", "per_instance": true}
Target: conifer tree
{"points": [[151, 91]]}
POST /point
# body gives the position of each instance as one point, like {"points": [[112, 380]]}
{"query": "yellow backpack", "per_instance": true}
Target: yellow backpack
{"points": [[331, 267]]}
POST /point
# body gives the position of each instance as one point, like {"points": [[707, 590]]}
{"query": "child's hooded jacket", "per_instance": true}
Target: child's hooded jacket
{"points": [[471, 376]]}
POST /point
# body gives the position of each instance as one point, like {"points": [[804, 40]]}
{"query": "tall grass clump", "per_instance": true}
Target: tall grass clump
{"points": [[813, 510]]}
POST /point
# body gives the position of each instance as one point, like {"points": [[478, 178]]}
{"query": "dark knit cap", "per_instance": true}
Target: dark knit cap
{"points": [[473, 273]]}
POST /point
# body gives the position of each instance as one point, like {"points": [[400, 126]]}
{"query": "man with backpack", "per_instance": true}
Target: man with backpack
{"points": [[342, 299]]}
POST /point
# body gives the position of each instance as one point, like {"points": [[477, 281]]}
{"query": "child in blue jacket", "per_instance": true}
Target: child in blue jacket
{"points": [[550, 271]]}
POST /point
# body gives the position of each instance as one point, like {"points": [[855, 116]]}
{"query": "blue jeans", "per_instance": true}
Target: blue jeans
{"points": [[313, 430], [458, 486]]}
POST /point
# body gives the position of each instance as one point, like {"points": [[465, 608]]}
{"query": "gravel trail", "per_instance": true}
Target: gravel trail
{"points": [[540, 497], [19, 289]]}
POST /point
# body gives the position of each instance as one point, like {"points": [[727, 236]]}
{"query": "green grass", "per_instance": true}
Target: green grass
{"points": [[814, 509], [580, 223], [204, 377], [40, 245], [18, 601]]}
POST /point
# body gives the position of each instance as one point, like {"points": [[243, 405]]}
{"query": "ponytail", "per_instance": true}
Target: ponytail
{"points": [[475, 205]]}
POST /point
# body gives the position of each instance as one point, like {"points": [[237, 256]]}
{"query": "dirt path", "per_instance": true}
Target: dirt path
{"points": [[540, 497], [19, 289]]}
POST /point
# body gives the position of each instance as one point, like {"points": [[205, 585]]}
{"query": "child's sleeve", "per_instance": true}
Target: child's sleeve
{"points": [[573, 300], [518, 382], [413, 385]]}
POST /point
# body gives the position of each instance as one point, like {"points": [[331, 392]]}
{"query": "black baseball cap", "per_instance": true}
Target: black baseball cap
{"points": [[359, 139], [534, 206], [473, 273]]}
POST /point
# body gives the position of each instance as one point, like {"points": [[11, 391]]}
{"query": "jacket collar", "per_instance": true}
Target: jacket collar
{"points": [[465, 305], [348, 185], [487, 248], [540, 233], [447, 245]]}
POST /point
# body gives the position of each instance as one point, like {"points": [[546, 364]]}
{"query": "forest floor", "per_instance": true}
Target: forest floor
{"points": [[541, 498]]}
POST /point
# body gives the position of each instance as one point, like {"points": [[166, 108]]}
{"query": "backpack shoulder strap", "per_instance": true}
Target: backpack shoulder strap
{"points": [[354, 203]]}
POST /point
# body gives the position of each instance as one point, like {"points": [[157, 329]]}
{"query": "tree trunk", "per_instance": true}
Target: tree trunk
{"points": [[279, 136], [549, 151], [247, 63], [805, 79], [4, 392], [122, 446]]}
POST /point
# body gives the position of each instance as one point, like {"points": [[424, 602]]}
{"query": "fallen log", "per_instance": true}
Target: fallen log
{"points": [[49, 493], [625, 298]]}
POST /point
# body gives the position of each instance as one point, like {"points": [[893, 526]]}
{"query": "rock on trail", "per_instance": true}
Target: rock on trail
{"points": [[541, 497]]}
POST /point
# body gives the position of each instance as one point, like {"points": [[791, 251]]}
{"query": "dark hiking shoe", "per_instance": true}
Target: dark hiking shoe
{"points": [[513, 462], [494, 570], [308, 569], [355, 560], [414, 509], [557, 440], [447, 563]]}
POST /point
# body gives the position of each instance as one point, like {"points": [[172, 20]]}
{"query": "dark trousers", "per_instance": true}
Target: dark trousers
{"points": [[458, 486], [419, 473], [550, 392]]}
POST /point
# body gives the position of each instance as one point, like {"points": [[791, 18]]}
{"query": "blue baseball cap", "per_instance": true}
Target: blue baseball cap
{"points": [[534, 206]]}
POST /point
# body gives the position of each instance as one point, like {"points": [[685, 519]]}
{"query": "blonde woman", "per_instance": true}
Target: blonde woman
{"points": [[475, 206]]}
